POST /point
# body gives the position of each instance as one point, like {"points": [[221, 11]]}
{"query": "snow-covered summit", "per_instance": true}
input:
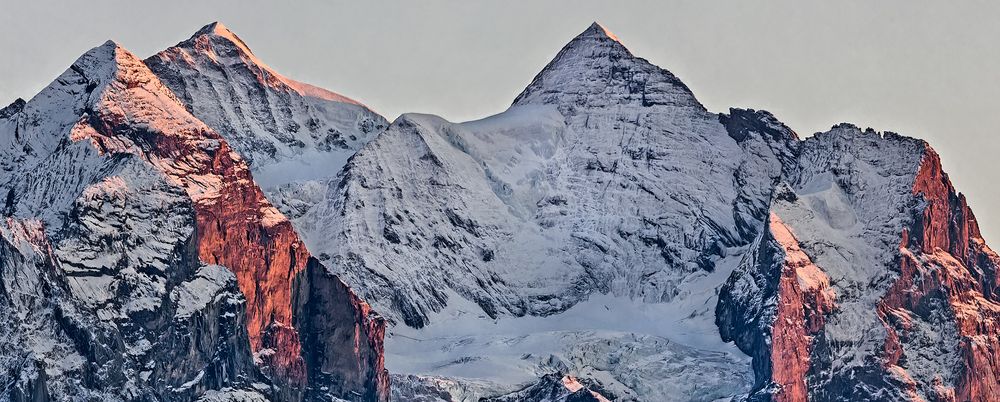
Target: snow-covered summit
{"points": [[287, 130], [101, 62], [217, 38], [599, 29], [106, 80], [218, 30], [596, 70]]}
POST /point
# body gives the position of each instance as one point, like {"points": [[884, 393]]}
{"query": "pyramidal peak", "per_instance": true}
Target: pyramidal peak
{"points": [[598, 30], [215, 28], [219, 30], [596, 70], [110, 62], [221, 46], [101, 62]]}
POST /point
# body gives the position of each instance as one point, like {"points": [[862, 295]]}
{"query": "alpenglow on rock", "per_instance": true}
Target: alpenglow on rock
{"points": [[605, 238], [872, 280], [140, 261]]}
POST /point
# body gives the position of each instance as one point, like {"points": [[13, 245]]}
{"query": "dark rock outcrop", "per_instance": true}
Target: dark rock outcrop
{"points": [[553, 388]]}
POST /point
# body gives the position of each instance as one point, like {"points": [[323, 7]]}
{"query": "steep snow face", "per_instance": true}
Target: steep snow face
{"points": [[285, 129], [133, 196], [409, 205], [561, 196], [605, 177], [650, 186]]}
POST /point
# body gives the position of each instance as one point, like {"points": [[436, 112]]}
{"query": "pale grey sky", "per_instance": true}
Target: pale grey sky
{"points": [[924, 69]]}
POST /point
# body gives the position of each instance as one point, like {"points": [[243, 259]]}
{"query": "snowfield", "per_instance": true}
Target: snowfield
{"points": [[637, 350]]}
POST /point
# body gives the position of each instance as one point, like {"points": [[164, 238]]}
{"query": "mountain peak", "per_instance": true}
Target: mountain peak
{"points": [[595, 70], [214, 28], [600, 31], [219, 30], [216, 44], [106, 62], [107, 51]]}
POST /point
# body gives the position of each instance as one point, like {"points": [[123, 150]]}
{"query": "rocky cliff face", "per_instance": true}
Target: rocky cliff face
{"points": [[344, 349], [102, 312], [895, 302], [943, 264], [136, 195]]}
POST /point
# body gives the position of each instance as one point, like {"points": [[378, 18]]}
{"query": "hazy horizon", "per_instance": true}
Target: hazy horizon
{"points": [[928, 71]]}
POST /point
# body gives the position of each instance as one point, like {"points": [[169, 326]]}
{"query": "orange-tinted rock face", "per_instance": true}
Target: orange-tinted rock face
{"points": [[789, 343], [265, 258], [944, 256], [804, 297], [239, 229]]}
